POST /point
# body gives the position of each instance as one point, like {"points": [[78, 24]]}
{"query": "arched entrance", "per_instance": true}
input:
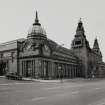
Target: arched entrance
{"points": [[3, 67]]}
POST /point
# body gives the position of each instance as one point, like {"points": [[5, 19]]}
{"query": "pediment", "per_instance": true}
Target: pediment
{"points": [[46, 50]]}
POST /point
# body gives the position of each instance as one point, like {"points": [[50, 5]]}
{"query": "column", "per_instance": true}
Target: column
{"points": [[34, 68], [22, 68], [42, 67], [72, 71], [52, 69], [75, 71], [25, 68]]}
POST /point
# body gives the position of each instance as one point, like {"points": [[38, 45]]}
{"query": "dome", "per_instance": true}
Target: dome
{"points": [[36, 31]]}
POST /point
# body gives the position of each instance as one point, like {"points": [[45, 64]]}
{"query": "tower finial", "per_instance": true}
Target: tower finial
{"points": [[80, 19], [96, 45], [80, 26], [36, 16], [36, 19]]}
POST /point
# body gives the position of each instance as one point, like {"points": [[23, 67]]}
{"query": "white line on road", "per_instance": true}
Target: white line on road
{"points": [[51, 88], [3, 84], [55, 95], [15, 84], [61, 87], [38, 98], [5, 88], [75, 92], [97, 88], [99, 102]]}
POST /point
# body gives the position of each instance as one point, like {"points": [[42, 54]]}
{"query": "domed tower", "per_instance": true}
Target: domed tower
{"points": [[36, 31], [36, 37], [96, 45], [80, 47], [80, 29], [96, 48], [80, 38]]}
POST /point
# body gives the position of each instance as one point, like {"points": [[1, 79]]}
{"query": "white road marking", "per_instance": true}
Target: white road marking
{"points": [[19, 91], [3, 84], [15, 84], [5, 88], [75, 92], [61, 87], [55, 95], [99, 102], [102, 103], [38, 98], [51, 88], [23, 83], [97, 88], [69, 86]]}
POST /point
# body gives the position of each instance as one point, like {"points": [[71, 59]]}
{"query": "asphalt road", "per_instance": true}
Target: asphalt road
{"points": [[66, 93]]}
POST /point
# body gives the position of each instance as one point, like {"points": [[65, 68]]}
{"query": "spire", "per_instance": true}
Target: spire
{"points": [[80, 20], [36, 20], [96, 45], [80, 26]]}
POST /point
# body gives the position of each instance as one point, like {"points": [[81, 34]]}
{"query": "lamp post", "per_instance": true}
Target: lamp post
{"points": [[59, 66], [60, 73]]}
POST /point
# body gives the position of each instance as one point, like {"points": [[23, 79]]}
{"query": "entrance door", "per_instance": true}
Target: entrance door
{"points": [[3, 69], [45, 69], [29, 69]]}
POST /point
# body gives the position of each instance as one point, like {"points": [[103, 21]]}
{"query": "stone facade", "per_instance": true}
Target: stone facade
{"points": [[91, 58], [37, 56]]}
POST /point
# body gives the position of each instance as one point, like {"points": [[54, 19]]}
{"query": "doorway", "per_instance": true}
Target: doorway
{"points": [[3, 68]]}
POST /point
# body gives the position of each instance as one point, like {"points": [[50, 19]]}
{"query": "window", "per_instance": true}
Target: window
{"points": [[77, 42]]}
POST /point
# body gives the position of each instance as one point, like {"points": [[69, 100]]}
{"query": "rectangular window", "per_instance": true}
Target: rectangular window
{"points": [[77, 42]]}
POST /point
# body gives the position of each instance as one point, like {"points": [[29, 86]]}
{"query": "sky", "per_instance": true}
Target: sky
{"points": [[58, 17]]}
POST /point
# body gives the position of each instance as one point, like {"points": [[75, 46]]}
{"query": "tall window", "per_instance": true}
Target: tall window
{"points": [[29, 69]]}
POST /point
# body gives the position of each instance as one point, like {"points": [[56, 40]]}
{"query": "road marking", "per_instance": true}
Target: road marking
{"points": [[38, 98], [61, 87], [97, 88], [75, 92], [22, 83], [99, 102], [15, 84], [3, 84], [51, 88], [5, 88], [19, 91], [102, 104]]}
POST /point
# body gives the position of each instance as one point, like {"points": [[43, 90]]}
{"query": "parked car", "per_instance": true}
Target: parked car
{"points": [[13, 76]]}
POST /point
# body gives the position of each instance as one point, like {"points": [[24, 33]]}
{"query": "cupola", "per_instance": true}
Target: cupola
{"points": [[36, 31]]}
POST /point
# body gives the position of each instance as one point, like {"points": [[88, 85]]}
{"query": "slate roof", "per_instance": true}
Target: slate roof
{"points": [[10, 45], [59, 49]]}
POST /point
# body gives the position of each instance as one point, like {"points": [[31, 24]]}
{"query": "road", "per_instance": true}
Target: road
{"points": [[41, 93]]}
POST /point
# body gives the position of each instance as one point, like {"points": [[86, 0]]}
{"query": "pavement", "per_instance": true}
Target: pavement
{"points": [[72, 92], [60, 80], [64, 80]]}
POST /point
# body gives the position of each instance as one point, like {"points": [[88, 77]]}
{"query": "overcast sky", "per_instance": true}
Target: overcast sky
{"points": [[58, 17]]}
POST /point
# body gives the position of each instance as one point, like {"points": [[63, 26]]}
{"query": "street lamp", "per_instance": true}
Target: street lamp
{"points": [[60, 72], [59, 66]]}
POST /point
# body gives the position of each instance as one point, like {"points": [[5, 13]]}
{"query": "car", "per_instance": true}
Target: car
{"points": [[13, 76]]}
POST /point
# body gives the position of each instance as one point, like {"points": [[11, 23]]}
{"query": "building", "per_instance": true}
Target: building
{"points": [[37, 56], [92, 64]]}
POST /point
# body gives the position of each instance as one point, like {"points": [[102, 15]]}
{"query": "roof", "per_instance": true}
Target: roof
{"points": [[59, 49], [10, 44]]}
